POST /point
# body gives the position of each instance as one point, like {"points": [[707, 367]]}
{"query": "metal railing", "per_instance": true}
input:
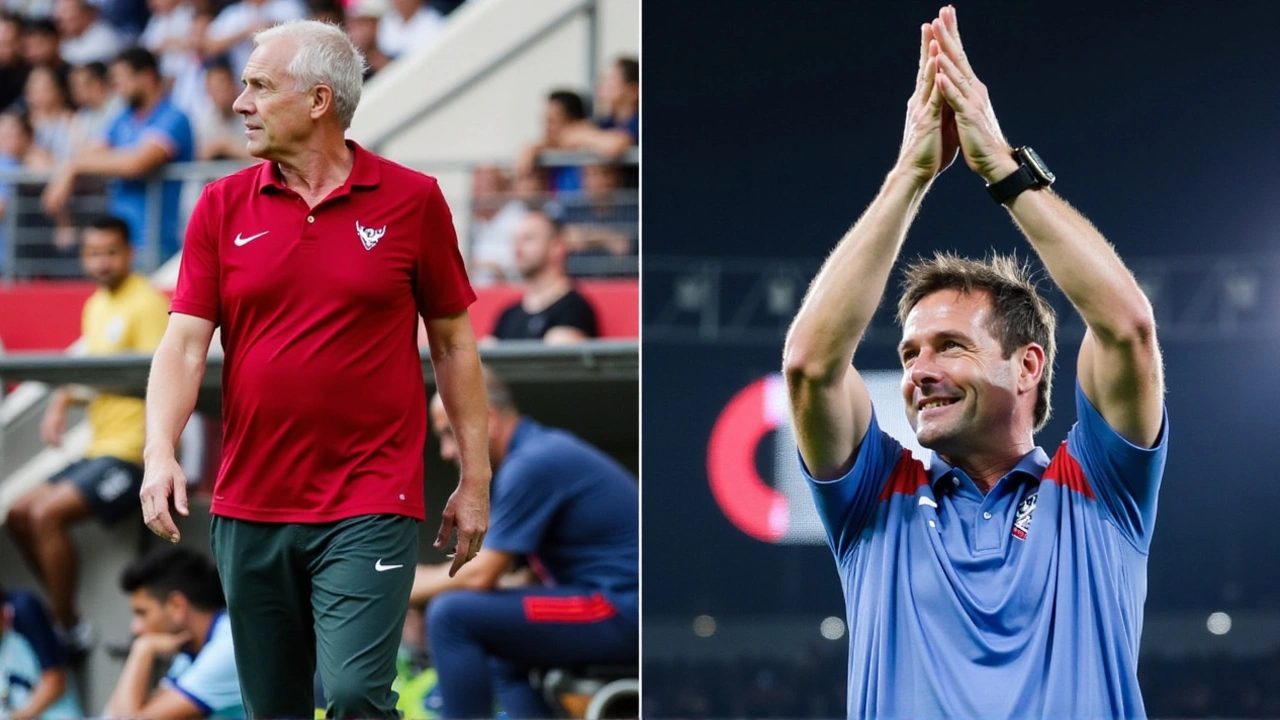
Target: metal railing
{"points": [[31, 248]]}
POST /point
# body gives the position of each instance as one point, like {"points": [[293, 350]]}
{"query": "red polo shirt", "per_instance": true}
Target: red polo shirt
{"points": [[323, 401]]}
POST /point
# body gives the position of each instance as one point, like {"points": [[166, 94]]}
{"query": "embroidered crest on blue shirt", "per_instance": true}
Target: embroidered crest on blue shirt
{"points": [[1022, 521]]}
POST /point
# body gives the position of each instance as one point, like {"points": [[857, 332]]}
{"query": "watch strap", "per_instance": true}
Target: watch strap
{"points": [[1014, 185]]}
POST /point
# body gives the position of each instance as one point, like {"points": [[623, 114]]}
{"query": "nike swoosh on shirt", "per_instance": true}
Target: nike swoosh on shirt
{"points": [[383, 568], [245, 241]]}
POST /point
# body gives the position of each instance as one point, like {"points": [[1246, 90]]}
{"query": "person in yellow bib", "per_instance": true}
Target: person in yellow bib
{"points": [[125, 315]]}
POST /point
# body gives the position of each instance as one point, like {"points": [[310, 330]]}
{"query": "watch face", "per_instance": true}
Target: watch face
{"points": [[1036, 165]]}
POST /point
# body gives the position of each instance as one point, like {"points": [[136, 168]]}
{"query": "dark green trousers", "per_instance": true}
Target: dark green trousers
{"points": [[332, 595]]}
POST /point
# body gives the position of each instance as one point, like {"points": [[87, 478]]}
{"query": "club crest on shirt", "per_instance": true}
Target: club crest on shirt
{"points": [[1022, 521], [368, 236]]}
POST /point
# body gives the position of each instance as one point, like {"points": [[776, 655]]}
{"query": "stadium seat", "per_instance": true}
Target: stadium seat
{"points": [[591, 692]]}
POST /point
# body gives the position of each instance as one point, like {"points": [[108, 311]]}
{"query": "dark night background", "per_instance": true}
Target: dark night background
{"points": [[770, 125]]}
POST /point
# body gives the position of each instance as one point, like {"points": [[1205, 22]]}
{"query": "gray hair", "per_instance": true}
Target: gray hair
{"points": [[325, 56]]}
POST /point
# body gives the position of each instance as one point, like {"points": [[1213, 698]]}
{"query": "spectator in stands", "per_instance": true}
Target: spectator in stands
{"points": [[362, 18], [125, 314], [178, 612], [33, 664], [220, 132], [493, 222], [231, 33], [97, 106], [128, 17], [168, 35], [85, 36], [13, 67], [550, 309], [573, 513], [140, 142], [326, 11], [48, 100], [410, 26], [618, 98], [16, 140], [599, 224], [41, 45], [567, 127]]}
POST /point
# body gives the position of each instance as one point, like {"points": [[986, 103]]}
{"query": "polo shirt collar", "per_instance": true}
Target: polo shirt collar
{"points": [[1031, 467], [525, 428], [365, 172]]}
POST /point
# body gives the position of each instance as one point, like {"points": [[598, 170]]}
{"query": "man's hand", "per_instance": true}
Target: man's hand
{"points": [[54, 423], [468, 512], [162, 644], [163, 478], [985, 149], [929, 142]]}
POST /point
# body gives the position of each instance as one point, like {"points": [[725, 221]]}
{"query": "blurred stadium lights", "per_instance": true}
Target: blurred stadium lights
{"points": [[783, 297], [1219, 623], [704, 626], [740, 301], [1241, 289], [832, 628]]}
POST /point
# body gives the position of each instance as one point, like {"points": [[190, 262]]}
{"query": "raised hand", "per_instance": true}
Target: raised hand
{"points": [[985, 149], [929, 141]]}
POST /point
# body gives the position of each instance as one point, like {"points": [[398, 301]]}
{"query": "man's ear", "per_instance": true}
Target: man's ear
{"points": [[321, 100], [1031, 367]]}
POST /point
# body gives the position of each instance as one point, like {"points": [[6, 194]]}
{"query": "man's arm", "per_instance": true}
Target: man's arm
{"points": [[458, 376], [130, 697], [583, 135], [482, 574], [52, 684], [102, 160], [176, 372], [133, 162], [1119, 366], [830, 407]]}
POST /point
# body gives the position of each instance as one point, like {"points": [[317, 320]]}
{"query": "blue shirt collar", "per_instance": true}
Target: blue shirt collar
{"points": [[1030, 467], [525, 428]]}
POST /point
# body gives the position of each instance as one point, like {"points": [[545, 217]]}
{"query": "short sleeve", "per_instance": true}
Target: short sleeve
{"points": [[1125, 477], [575, 313], [524, 501], [210, 680], [31, 621], [441, 285], [845, 503], [172, 131], [198, 292], [150, 323]]}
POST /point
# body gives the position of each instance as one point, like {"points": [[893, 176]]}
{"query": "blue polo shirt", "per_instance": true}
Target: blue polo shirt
{"points": [[127, 199], [1025, 602], [572, 510], [209, 679], [28, 649]]}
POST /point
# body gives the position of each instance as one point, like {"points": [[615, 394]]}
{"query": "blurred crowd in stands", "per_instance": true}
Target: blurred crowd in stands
{"points": [[813, 686], [99, 95]]}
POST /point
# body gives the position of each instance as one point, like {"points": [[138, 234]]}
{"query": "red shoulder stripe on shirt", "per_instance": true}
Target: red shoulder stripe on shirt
{"points": [[906, 477], [575, 610], [1065, 470]]}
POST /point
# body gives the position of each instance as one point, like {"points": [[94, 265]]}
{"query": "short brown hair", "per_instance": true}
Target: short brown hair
{"points": [[1021, 316]]}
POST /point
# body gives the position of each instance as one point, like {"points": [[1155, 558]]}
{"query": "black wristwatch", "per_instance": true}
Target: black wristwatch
{"points": [[1031, 173]]}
